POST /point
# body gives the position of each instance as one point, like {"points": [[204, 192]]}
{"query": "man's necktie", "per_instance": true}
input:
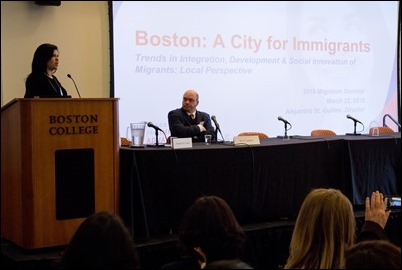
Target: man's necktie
{"points": [[192, 116]]}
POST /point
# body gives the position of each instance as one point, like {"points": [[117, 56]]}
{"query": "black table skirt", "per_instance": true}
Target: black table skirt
{"points": [[261, 183]]}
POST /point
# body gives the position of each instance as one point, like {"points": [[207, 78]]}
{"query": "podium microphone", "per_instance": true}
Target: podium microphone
{"points": [[68, 75]]}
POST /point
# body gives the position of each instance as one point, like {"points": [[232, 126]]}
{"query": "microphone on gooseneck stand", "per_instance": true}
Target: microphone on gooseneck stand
{"points": [[153, 126], [355, 122], [280, 118], [68, 75], [354, 119], [149, 124], [286, 122], [213, 117]]}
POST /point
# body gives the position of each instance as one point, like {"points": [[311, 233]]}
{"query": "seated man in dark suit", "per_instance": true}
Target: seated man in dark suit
{"points": [[187, 122]]}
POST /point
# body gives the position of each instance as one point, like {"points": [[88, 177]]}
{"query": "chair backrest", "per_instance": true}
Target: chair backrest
{"points": [[381, 130], [125, 142], [322, 132], [260, 135]]}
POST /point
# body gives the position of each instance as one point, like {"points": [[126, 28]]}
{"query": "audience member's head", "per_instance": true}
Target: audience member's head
{"points": [[102, 241], [210, 228], [324, 228], [373, 254]]}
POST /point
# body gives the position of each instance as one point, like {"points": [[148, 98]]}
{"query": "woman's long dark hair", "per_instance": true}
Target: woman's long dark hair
{"points": [[102, 241], [210, 224], [41, 56]]}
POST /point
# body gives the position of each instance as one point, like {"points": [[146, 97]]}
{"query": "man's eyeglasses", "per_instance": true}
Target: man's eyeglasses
{"points": [[188, 99]]}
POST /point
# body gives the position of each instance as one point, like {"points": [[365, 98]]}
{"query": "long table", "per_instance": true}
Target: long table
{"points": [[261, 182]]}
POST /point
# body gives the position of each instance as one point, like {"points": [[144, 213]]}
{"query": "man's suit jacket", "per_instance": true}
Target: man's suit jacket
{"points": [[182, 126]]}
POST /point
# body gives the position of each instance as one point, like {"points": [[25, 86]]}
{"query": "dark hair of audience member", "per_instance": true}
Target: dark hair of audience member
{"points": [[211, 225], [102, 241], [373, 254]]}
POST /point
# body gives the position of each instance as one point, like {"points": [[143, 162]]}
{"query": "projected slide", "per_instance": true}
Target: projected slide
{"points": [[312, 63]]}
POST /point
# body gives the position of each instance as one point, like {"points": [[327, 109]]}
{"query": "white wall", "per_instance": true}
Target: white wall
{"points": [[80, 30]]}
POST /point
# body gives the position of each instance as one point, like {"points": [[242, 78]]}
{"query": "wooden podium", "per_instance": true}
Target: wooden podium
{"points": [[59, 164]]}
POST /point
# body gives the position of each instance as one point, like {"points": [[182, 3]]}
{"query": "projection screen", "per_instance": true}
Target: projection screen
{"points": [[312, 63]]}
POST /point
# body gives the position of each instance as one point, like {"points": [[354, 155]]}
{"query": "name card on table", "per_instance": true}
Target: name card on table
{"points": [[248, 140], [178, 143]]}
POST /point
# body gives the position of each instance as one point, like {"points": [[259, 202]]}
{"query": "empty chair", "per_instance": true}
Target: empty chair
{"points": [[125, 142], [322, 132], [260, 135], [381, 130]]}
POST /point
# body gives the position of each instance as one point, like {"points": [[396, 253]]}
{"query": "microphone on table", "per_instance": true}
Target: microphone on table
{"points": [[355, 121], [213, 117], [68, 75], [149, 124], [280, 118], [153, 126], [286, 122]]}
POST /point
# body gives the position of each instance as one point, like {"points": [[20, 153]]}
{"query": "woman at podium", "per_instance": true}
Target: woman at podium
{"points": [[42, 82]]}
